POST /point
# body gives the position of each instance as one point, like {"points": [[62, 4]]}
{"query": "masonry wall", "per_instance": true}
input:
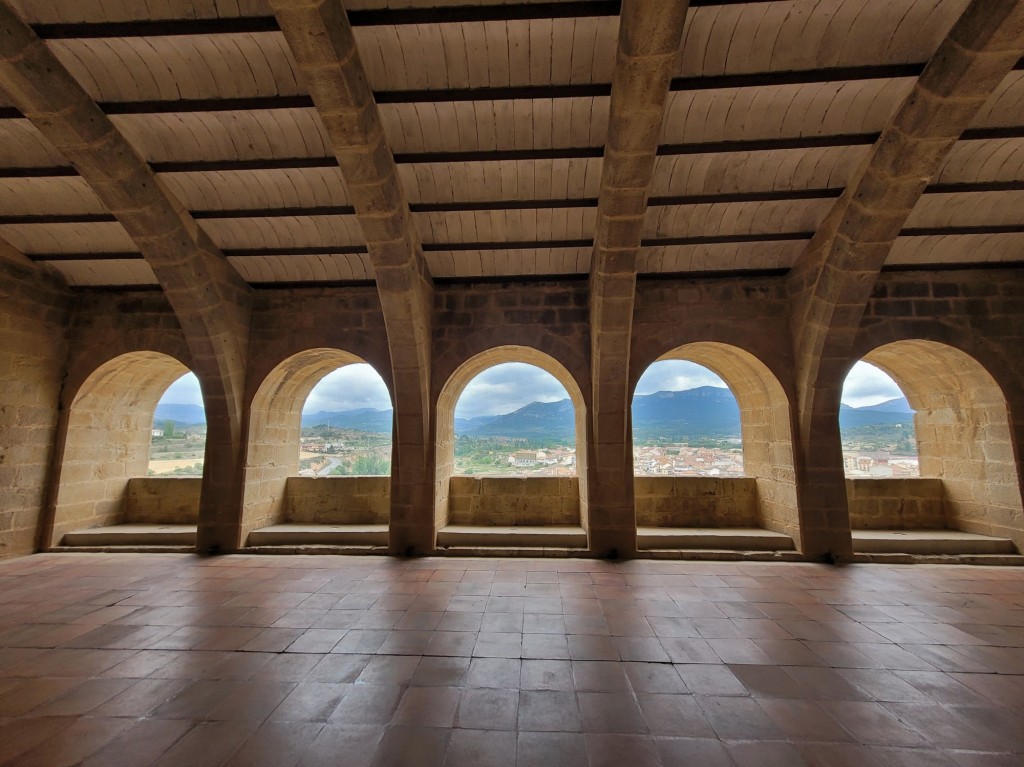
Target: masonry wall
{"points": [[696, 502], [124, 351], [492, 323], [162, 500], [737, 327], [337, 500], [913, 503], [33, 349], [297, 338], [978, 313], [511, 501], [953, 341]]}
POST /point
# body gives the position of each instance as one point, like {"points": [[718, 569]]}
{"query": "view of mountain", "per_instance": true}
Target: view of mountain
{"points": [[673, 416], [550, 421], [182, 415], [362, 419], [677, 416], [898, 405], [894, 411], [707, 411], [466, 425]]}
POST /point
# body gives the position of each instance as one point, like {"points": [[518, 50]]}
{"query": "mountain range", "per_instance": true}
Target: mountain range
{"points": [[893, 411], [706, 411], [182, 415], [361, 419]]}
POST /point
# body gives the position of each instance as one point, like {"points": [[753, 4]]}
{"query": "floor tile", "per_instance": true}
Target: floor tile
{"points": [[246, 660]]}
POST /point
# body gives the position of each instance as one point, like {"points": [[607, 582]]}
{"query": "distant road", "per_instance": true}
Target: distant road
{"points": [[331, 463]]}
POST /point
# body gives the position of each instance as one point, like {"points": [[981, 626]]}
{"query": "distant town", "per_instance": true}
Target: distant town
{"points": [[681, 460]]}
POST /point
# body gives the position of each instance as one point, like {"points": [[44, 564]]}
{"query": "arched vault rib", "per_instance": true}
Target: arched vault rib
{"points": [[320, 38], [210, 299], [650, 35], [833, 278]]}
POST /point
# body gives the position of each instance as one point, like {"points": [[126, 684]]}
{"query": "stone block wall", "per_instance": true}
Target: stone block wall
{"points": [[290, 352], [338, 500], [970, 392], [543, 324], [953, 343], [914, 503], [107, 439], [162, 500], [696, 502], [33, 349], [511, 501]]}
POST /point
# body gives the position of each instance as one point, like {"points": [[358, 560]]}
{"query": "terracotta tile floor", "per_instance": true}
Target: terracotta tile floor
{"points": [[260, 660]]}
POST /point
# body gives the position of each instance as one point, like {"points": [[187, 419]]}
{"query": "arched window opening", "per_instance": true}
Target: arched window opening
{"points": [[104, 496], [686, 423], [968, 479], [713, 456], [319, 454], [515, 419], [876, 422], [346, 425], [178, 441], [511, 437]]}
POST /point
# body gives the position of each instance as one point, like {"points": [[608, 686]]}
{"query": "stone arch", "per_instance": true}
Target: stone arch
{"points": [[107, 438], [275, 423], [766, 426], [449, 397], [963, 434]]}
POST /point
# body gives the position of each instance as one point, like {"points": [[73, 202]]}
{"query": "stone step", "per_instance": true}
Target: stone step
{"points": [[317, 548], [986, 560], [718, 538], [511, 538], [929, 542], [724, 555], [132, 535], [303, 534], [526, 552]]}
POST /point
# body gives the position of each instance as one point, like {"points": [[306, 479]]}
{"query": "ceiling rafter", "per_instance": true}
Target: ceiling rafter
{"points": [[768, 79], [501, 155], [457, 14], [713, 198]]}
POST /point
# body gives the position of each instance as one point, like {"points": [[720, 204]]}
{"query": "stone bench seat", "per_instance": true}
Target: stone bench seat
{"points": [[951, 542], [509, 537], [720, 538], [306, 534], [133, 536]]}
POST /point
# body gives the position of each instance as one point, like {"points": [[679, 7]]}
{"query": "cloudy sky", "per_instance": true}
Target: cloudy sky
{"points": [[349, 388], [184, 391], [507, 387], [676, 375], [867, 385]]}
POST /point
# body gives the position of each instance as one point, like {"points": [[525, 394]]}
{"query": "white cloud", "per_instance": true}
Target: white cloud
{"points": [[184, 391], [676, 375], [867, 385], [349, 388], [507, 387]]}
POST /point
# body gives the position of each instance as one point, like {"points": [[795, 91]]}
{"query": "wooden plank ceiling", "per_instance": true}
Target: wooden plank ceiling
{"points": [[497, 116]]}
